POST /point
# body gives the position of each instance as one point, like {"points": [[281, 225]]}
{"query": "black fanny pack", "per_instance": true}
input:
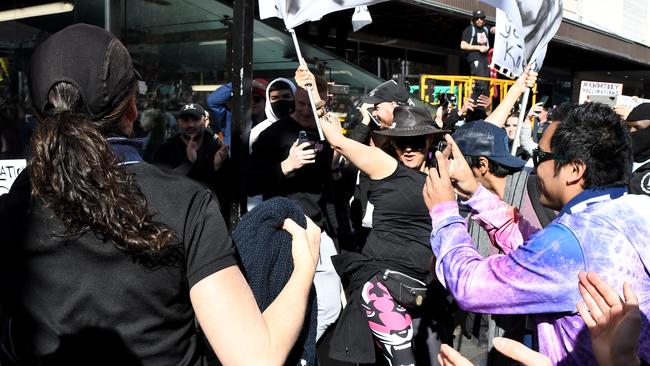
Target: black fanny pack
{"points": [[406, 290]]}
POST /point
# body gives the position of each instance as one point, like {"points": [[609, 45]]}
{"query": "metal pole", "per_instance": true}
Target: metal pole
{"points": [[112, 15], [310, 90], [522, 116], [242, 74]]}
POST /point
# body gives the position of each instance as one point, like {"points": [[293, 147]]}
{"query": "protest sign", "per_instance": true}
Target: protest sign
{"points": [[590, 88], [9, 170]]}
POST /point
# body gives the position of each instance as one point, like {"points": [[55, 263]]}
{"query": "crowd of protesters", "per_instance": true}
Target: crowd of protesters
{"points": [[388, 238]]}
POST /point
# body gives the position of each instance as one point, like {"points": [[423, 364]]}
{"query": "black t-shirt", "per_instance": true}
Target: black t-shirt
{"points": [[401, 226], [83, 301], [640, 180], [306, 185], [480, 37]]}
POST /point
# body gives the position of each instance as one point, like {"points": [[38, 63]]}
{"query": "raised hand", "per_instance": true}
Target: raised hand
{"points": [[484, 101], [527, 79], [299, 156], [438, 188], [220, 156], [331, 126], [468, 104], [460, 173], [305, 244], [535, 109], [191, 146], [614, 323], [304, 78]]}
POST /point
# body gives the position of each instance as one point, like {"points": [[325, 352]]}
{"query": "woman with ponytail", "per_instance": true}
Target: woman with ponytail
{"points": [[106, 259]]}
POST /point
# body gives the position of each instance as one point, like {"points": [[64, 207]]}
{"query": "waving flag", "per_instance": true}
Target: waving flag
{"points": [[297, 12], [524, 29]]}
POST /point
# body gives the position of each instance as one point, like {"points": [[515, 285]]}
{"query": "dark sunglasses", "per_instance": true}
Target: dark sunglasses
{"points": [[417, 143], [540, 156], [257, 98]]}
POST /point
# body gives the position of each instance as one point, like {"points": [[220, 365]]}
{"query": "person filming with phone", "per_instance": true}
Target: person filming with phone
{"points": [[288, 160]]}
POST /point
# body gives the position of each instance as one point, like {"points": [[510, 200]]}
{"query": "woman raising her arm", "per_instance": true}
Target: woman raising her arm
{"points": [[398, 243]]}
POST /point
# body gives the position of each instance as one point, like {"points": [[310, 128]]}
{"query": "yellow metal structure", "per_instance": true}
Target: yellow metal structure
{"points": [[461, 86], [4, 68]]}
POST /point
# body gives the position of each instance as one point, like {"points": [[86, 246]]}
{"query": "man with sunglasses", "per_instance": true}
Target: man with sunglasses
{"points": [[476, 44], [583, 164]]}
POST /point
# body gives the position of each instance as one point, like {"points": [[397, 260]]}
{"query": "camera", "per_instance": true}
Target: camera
{"points": [[447, 99], [431, 155]]}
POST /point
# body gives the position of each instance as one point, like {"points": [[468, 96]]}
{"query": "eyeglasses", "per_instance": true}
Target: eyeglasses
{"points": [[416, 143], [540, 156], [257, 99]]}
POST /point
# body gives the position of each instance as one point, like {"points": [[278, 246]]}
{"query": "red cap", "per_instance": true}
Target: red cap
{"points": [[259, 86]]}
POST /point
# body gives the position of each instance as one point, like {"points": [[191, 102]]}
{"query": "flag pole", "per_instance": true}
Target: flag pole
{"points": [[522, 117], [310, 89]]}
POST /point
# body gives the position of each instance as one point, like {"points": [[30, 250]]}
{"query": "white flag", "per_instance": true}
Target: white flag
{"points": [[361, 18], [524, 29], [296, 12]]}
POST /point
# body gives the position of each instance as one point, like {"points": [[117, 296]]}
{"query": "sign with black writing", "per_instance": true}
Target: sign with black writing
{"points": [[9, 170], [523, 30], [591, 88]]}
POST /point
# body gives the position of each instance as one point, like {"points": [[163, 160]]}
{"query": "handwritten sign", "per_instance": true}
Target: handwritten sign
{"points": [[9, 170], [589, 88]]}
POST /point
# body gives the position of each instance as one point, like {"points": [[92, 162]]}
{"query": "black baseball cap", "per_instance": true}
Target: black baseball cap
{"points": [[480, 138], [639, 113], [192, 109], [389, 91], [478, 14], [88, 57]]}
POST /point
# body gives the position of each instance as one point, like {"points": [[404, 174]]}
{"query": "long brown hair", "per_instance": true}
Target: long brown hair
{"points": [[75, 173]]}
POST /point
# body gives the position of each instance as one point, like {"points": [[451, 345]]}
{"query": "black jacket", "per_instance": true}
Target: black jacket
{"points": [[306, 185]]}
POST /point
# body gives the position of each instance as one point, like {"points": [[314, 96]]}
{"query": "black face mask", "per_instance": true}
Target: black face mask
{"points": [[283, 108]]}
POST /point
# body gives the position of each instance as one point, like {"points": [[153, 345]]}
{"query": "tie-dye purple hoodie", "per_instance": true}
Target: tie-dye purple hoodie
{"points": [[540, 276]]}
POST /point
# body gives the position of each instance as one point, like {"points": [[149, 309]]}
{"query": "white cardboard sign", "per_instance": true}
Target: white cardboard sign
{"points": [[588, 88], [9, 170]]}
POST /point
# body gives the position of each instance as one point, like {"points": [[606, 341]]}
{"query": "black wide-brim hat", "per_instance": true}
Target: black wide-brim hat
{"points": [[411, 121]]}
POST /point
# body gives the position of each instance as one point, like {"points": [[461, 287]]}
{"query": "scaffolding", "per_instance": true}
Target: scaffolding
{"points": [[461, 87]]}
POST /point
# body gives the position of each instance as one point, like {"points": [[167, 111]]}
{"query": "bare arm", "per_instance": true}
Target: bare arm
{"points": [[500, 113], [471, 47], [369, 159], [230, 318]]}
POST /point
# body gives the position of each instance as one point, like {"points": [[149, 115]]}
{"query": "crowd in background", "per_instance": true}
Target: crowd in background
{"points": [[411, 226]]}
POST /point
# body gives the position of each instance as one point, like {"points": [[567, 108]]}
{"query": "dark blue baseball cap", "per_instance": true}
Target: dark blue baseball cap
{"points": [[480, 138]]}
